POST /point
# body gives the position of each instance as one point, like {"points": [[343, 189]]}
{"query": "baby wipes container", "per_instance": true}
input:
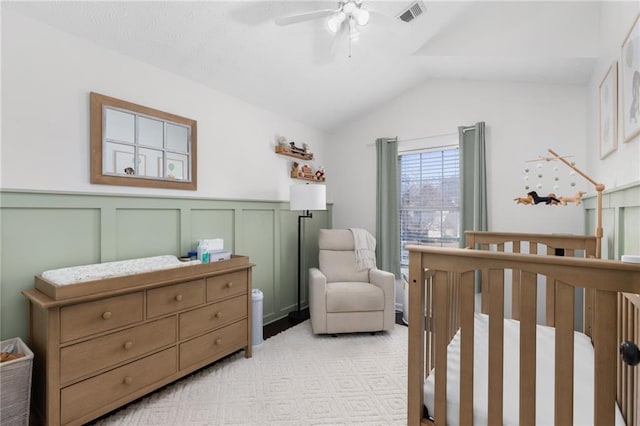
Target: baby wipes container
{"points": [[203, 251]]}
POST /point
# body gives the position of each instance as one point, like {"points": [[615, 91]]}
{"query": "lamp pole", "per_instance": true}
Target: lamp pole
{"points": [[298, 315]]}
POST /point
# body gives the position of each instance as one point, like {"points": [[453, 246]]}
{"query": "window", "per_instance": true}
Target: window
{"points": [[139, 146], [429, 199]]}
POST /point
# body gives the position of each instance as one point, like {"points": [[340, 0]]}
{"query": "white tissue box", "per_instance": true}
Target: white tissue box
{"points": [[215, 244], [217, 255]]}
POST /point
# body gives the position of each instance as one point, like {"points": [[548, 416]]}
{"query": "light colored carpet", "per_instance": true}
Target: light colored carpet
{"points": [[295, 378]]}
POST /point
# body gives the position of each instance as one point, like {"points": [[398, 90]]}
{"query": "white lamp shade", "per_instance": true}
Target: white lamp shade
{"points": [[308, 197]]}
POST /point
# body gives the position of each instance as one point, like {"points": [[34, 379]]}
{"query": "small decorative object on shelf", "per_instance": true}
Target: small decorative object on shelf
{"points": [[305, 172], [297, 153]]}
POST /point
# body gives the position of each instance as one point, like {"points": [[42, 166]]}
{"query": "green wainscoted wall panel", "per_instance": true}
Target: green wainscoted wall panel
{"points": [[258, 242], [37, 239], [48, 230], [287, 290], [631, 224], [620, 220], [214, 223], [147, 232]]}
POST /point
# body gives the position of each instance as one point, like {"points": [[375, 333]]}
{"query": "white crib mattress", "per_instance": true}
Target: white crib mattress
{"points": [[99, 271], [583, 376]]}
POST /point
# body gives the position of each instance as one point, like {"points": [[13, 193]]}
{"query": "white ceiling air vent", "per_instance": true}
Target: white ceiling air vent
{"points": [[412, 12]]}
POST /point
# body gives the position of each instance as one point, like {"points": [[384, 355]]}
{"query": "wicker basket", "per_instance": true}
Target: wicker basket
{"points": [[15, 382]]}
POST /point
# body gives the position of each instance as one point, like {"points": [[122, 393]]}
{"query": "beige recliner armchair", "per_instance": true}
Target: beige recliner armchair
{"points": [[343, 299]]}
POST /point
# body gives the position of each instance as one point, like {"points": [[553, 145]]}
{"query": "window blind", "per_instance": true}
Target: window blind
{"points": [[429, 199]]}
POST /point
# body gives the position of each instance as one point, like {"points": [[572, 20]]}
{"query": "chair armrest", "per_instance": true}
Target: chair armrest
{"points": [[318, 300], [387, 282]]}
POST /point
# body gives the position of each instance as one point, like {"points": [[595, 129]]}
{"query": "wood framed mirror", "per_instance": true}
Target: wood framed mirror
{"points": [[134, 145]]}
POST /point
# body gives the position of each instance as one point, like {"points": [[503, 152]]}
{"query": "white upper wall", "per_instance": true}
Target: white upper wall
{"points": [[621, 167], [46, 79], [522, 120]]}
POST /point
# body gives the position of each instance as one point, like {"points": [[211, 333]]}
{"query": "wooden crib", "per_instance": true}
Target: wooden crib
{"points": [[441, 307]]}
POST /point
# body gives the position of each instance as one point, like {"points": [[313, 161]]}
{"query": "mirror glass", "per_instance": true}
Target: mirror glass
{"points": [[139, 146]]}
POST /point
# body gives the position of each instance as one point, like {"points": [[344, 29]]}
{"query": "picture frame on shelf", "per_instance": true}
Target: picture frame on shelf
{"points": [[608, 111], [630, 87]]}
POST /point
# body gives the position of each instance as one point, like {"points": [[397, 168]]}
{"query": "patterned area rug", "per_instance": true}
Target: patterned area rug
{"points": [[295, 378]]}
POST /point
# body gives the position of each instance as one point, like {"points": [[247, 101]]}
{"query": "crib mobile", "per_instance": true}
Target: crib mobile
{"points": [[540, 174]]}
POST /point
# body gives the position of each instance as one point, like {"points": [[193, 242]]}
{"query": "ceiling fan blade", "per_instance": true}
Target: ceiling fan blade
{"points": [[308, 16]]}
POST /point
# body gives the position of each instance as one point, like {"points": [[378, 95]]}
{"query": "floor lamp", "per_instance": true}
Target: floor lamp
{"points": [[305, 197]]}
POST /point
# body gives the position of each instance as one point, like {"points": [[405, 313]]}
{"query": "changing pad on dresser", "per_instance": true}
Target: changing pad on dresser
{"points": [[97, 279], [98, 271]]}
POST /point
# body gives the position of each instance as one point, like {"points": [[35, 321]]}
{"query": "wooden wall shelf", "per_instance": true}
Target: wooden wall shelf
{"points": [[283, 150], [302, 176]]}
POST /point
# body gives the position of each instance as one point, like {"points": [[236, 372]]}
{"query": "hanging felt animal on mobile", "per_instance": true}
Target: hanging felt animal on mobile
{"points": [[524, 200], [538, 199], [576, 199]]}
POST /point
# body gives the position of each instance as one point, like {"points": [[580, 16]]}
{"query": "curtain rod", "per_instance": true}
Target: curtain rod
{"points": [[397, 139]]}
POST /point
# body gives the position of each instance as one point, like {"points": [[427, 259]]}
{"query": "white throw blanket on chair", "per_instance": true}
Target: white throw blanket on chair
{"points": [[365, 248]]}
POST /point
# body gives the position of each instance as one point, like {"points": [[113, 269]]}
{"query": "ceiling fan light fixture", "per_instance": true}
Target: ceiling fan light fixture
{"points": [[349, 8], [362, 16], [335, 21]]}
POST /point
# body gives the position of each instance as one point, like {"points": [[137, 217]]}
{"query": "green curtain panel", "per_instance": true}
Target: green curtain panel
{"points": [[388, 206], [473, 180]]}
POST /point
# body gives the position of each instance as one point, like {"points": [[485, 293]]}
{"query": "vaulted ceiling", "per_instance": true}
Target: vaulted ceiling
{"points": [[304, 72]]}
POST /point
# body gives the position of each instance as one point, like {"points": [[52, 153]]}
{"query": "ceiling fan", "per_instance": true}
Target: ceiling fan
{"points": [[350, 12], [349, 15]]}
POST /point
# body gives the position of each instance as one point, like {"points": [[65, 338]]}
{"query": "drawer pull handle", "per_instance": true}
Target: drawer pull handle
{"points": [[219, 315], [128, 344], [218, 341], [106, 315], [229, 285], [179, 298], [128, 380]]}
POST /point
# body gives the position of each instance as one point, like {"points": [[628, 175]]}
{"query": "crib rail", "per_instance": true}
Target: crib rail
{"points": [[448, 274]]}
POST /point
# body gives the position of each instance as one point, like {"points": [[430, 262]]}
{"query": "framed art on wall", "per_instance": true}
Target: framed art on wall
{"points": [[608, 111], [630, 87]]}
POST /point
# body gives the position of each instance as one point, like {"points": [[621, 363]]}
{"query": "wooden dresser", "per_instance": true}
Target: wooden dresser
{"points": [[101, 344]]}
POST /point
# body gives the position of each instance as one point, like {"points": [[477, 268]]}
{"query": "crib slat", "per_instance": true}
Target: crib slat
{"points": [[588, 311], [515, 286], [441, 309], [636, 389], [564, 355], [485, 292], [496, 345], [528, 304], [416, 348], [605, 347], [466, 348], [624, 376], [550, 310]]}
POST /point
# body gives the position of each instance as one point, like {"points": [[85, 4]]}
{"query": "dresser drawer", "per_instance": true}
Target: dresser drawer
{"points": [[216, 343], [226, 285], [96, 354], [93, 394], [90, 318], [172, 298], [212, 316]]}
